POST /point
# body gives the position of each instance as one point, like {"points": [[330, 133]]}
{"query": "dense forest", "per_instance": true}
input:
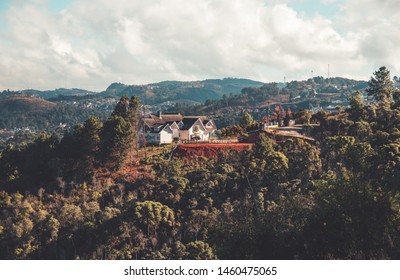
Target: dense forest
{"points": [[84, 197]]}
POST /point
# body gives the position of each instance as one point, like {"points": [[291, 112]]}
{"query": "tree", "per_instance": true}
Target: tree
{"points": [[352, 219], [303, 158], [356, 111], [334, 150], [303, 116], [248, 122], [116, 139], [199, 250], [119, 132], [88, 138], [127, 109], [153, 215], [274, 164], [380, 87]]}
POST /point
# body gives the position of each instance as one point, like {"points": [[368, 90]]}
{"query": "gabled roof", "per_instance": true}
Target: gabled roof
{"points": [[158, 128], [185, 123], [188, 122]]}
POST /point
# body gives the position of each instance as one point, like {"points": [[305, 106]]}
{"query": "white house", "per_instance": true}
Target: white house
{"points": [[166, 128], [161, 134], [193, 129]]}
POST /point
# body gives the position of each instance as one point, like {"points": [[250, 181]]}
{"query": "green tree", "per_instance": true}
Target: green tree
{"points": [[380, 86], [116, 139], [303, 159], [153, 215], [352, 219], [334, 150], [199, 250], [248, 123], [88, 142], [303, 116], [119, 132], [356, 111]]}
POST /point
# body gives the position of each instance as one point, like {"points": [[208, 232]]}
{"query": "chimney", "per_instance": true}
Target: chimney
{"points": [[159, 115]]}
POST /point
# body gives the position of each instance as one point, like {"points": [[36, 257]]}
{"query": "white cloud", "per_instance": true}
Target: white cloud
{"points": [[374, 24], [93, 43]]}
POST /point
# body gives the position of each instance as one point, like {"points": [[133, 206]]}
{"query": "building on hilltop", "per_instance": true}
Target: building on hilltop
{"points": [[169, 127]]}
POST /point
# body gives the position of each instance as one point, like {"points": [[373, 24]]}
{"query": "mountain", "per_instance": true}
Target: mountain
{"points": [[195, 91]]}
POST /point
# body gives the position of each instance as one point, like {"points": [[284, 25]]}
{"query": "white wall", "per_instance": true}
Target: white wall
{"points": [[165, 137]]}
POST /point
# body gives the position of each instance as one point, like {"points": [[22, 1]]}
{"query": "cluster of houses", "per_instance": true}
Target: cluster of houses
{"points": [[167, 128]]}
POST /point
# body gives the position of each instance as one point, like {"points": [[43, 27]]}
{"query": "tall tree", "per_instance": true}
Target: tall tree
{"points": [[357, 111], [248, 122], [119, 132], [116, 139], [381, 86]]}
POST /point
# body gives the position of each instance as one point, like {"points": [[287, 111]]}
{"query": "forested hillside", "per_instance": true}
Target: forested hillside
{"points": [[92, 195], [29, 112], [188, 92]]}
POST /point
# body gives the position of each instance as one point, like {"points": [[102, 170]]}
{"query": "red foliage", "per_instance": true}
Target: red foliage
{"points": [[209, 150]]}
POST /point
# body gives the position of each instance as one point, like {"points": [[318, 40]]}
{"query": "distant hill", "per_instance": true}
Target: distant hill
{"points": [[222, 98], [196, 91], [24, 105], [39, 114], [46, 94]]}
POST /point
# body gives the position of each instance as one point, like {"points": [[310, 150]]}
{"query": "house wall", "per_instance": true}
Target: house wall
{"points": [[175, 130], [166, 137], [201, 133], [153, 138], [184, 135]]}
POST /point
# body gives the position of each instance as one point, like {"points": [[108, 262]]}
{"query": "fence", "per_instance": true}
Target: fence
{"points": [[225, 141]]}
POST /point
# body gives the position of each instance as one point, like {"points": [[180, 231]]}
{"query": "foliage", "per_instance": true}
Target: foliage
{"points": [[380, 86], [333, 198]]}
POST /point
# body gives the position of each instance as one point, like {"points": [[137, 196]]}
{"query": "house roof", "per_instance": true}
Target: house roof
{"points": [[188, 123], [202, 118], [158, 128], [167, 117], [155, 121], [205, 122]]}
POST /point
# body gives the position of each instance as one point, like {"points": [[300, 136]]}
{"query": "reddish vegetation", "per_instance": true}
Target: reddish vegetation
{"points": [[209, 150]]}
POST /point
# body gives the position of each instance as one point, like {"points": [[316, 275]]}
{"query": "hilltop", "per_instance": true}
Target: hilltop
{"points": [[24, 104]]}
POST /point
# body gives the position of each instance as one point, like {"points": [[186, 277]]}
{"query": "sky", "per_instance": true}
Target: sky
{"points": [[89, 44]]}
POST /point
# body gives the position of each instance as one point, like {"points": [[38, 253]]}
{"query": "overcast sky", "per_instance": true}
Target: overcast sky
{"points": [[47, 44]]}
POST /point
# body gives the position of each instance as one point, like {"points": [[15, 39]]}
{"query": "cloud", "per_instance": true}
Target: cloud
{"points": [[374, 24], [90, 44]]}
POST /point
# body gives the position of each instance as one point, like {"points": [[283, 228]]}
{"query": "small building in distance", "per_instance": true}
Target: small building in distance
{"points": [[166, 128]]}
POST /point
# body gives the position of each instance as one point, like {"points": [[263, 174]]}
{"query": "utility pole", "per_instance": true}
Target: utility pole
{"points": [[144, 132], [329, 81], [268, 116]]}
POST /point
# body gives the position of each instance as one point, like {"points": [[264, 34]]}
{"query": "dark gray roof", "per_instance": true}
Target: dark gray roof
{"points": [[188, 123]]}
